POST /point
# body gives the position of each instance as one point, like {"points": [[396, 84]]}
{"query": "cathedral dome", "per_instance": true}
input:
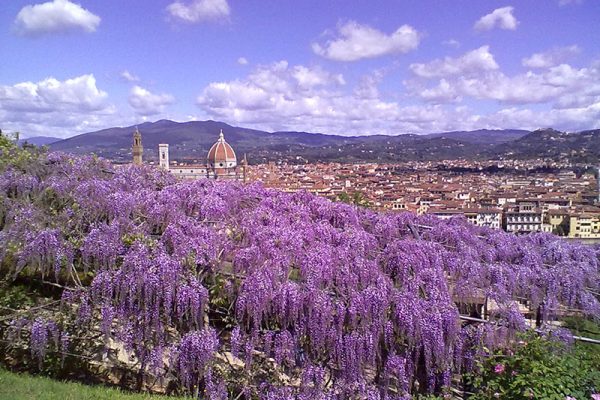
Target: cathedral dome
{"points": [[221, 155]]}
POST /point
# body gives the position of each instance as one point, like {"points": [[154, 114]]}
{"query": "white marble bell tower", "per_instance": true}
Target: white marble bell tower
{"points": [[163, 155]]}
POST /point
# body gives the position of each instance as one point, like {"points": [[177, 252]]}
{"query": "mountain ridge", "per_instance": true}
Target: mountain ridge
{"points": [[190, 141], [39, 140]]}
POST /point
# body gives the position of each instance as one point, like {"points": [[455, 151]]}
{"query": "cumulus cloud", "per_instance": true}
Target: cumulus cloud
{"points": [[551, 57], [199, 10], [307, 78], [242, 61], [54, 107], [77, 94], [476, 75], [146, 103], [283, 97], [502, 18], [55, 17], [279, 96], [129, 77], [474, 61], [276, 86], [368, 86], [355, 41], [571, 119], [444, 92]]}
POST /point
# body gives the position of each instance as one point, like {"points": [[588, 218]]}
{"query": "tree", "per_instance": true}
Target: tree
{"points": [[357, 198]]}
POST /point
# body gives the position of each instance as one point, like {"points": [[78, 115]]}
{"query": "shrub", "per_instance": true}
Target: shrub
{"points": [[537, 367]]}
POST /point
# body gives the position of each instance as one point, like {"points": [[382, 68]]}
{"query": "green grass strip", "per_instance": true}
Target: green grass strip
{"points": [[27, 387]]}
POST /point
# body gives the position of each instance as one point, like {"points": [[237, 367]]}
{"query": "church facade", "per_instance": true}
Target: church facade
{"points": [[221, 162]]}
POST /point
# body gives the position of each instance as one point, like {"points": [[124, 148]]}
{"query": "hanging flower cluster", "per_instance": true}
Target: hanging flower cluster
{"points": [[343, 301]]}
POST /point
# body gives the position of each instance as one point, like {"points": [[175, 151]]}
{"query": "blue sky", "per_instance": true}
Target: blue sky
{"points": [[343, 67]]}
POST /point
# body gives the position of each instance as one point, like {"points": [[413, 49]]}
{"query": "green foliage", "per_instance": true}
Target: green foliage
{"points": [[590, 351], [584, 327], [15, 297], [357, 198], [539, 368], [13, 155]]}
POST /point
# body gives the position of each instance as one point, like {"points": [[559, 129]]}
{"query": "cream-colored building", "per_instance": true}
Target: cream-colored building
{"points": [[523, 218], [485, 217], [584, 225]]}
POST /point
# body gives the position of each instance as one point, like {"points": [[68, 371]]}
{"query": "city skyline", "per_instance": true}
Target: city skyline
{"points": [[81, 66]]}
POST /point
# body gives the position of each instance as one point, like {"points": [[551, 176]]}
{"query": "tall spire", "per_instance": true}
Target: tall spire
{"points": [[221, 136], [244, 168], [598, 181], [137, 149]]}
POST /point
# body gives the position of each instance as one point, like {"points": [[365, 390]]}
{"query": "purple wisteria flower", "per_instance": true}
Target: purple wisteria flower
{"points": [[343, 301]]}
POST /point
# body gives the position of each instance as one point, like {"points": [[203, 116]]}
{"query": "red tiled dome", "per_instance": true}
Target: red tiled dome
{"points": [[221, 155]]}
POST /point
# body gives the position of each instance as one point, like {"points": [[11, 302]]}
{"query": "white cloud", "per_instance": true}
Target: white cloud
{"points": [[276, 86], [129, 77], [571, 119], [281, 97], [474, 61], [199, 10], [551, 86], [311, 77], [77, 94], [242, 61], [451, 43], [502, 18], [476, 75], [443, 93], [368, 86], [356, 41], [147, 103], [53, 107], [551, 57], [55, 17]]}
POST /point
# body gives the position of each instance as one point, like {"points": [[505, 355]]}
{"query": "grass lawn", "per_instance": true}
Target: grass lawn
{"points": [[27, 387]]}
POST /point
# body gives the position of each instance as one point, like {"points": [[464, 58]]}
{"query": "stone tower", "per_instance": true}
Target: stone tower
{"points": [[138, 149], [244, 169], [163, 156], [598, 181]]}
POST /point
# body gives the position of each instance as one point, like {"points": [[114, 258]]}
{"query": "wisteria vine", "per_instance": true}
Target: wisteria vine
{"points": [[336, 301]]}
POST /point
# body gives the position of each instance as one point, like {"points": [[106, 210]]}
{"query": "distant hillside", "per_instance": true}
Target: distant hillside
{"points": [[483, 136], [40, 140], [190, 141], [580, 147]]}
